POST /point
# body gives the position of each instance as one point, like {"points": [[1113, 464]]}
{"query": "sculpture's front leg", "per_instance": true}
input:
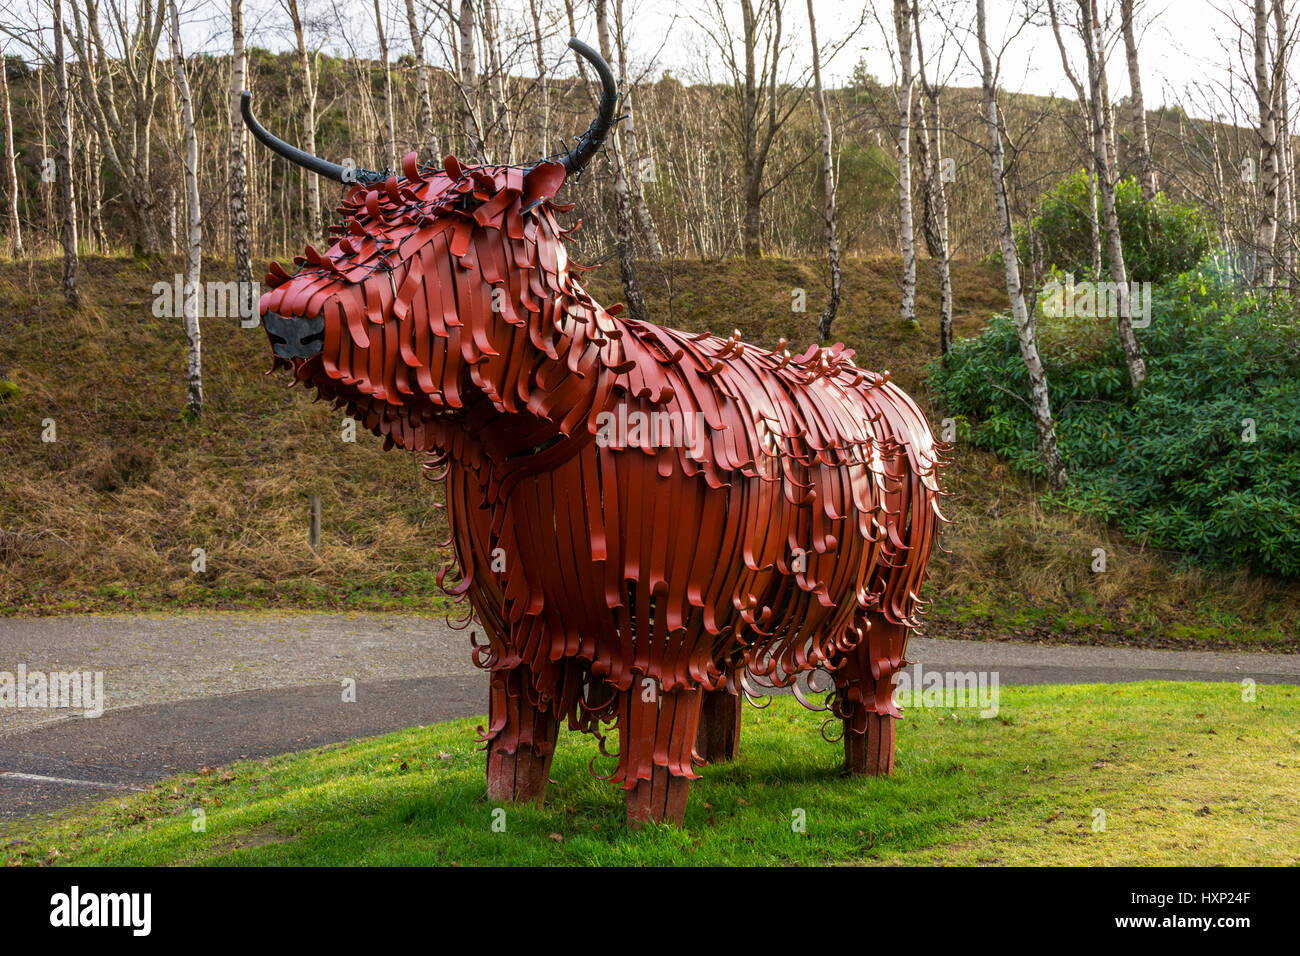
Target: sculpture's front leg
{"points": [[519, 757], [657, 734], [865, 701]]}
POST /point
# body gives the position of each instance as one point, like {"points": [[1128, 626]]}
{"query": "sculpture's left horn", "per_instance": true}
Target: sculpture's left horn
{"points": [[590, 141], [323, 167]]}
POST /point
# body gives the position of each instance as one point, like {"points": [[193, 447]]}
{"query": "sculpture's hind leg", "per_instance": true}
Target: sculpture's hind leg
{"points": [[864, 687], [719, 738], [656, 751], [519, 757], [870, 751]]}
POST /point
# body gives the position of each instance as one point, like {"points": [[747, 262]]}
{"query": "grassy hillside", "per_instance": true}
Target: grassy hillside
{"points": [[107, 517]]}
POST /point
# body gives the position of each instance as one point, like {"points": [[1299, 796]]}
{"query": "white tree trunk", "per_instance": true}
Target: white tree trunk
{"points": [[314, 226], [238, 166], [421, 84], [63, 162], [1106, 176], [907, 233], [194, 243], [1285, 166], [502, 122], [11, 167], [469, 82], [1040, 399], [1140, 139], [932, 135], [631, 151], [828, 182], [1266, 231], [624, 224], [544, 101]]}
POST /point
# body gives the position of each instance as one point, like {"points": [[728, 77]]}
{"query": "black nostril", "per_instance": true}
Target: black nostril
{"points": [[293, 337]]}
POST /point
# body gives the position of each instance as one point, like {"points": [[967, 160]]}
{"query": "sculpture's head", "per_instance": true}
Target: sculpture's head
{"points": [[443, 292]]}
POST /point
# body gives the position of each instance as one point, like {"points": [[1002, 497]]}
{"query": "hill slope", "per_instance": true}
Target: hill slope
{"points": [[110, 514]]}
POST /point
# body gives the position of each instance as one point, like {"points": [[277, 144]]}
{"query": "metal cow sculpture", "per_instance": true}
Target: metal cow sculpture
{"points": [[640, 516]]}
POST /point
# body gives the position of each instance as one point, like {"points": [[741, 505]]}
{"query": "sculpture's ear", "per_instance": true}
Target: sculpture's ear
{"points": [[542, 182]]}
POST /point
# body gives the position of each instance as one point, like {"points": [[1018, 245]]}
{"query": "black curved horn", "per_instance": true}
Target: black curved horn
{"points": [[590, 141], [322, 167]]}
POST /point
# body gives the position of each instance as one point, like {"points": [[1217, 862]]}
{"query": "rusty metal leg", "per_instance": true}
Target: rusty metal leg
{"points": [[661, 799], [662, 773], [520, 777], [864, 685], [519, 759], [719, 738], [870, 751]]}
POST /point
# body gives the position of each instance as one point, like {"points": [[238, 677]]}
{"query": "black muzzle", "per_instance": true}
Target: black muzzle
{"points": [[293, 338]]}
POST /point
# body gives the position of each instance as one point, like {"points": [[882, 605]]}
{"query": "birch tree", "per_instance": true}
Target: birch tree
{"points": [[238, 165], [194, 238], [63, 161], [421, 82], [390, 127], [119, 90], [1106, 179], [628, 140], [544, 95], [1026, 332], [1266, 229], [936, 219], [906, 90], [1285, 160], [1085, 119], [828, 182], [1141, 142], [501, 126], [11, 166], [624, 219], [469, 82], [759, 104], [314, 226]]}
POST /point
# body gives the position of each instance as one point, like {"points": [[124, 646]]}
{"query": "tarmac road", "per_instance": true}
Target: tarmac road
{"points": [[183, 692]]}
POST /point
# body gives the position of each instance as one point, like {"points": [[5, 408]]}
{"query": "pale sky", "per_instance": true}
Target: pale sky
{"points": [[1186, 45]]}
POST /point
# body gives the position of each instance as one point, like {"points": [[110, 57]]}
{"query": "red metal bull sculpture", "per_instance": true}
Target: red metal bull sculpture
{"points": [[641, 517]]}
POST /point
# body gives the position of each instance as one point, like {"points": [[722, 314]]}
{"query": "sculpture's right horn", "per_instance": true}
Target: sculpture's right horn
{"points": [[590, 141]]}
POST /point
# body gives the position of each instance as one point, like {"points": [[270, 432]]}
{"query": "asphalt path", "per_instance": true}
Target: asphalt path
{"points": [[184, 692]]}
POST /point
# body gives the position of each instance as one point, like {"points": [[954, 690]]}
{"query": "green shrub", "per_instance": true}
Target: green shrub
{"points": [[1161, 238], [1171, 465]]}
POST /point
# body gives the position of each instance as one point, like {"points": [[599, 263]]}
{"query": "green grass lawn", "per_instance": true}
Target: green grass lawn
{"points": [[1184, 774]]}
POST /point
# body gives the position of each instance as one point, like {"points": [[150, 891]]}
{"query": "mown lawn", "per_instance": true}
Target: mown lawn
{"points": [[1183, 773]]}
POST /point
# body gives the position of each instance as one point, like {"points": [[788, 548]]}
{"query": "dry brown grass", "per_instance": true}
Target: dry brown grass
{"points": [[109, 514]]}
